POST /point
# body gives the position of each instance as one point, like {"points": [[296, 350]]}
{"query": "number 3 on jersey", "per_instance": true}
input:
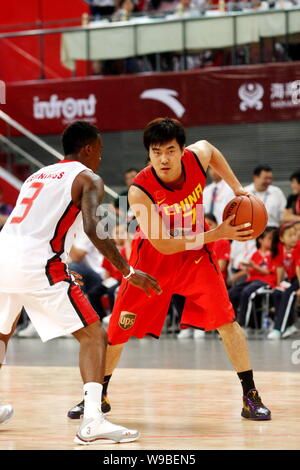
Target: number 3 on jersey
{"points": [[28, 201]]}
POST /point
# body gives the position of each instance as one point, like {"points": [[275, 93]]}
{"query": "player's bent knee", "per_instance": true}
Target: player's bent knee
{"points": [[94, 332]]}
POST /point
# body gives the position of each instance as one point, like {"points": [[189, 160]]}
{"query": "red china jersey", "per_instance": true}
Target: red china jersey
{"points": [[181, 209], [194, 274]]}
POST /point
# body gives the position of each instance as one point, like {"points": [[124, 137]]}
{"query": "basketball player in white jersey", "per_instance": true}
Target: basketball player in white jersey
{"points": [[33, 249]]}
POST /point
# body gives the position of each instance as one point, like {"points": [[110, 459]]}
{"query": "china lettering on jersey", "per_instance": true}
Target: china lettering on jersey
{"points": [[181, 209]]}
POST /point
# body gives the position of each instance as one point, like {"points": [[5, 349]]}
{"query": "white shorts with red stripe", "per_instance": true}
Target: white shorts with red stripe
{"points": [[54, 311]]}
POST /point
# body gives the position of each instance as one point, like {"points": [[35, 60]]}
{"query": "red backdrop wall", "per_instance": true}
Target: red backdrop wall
{"points": [[20, 58]]}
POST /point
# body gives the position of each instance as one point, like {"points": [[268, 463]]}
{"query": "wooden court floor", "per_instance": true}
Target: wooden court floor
{"points": [[173, 409]]}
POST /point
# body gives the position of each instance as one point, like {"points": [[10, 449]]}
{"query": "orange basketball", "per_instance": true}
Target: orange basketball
{"points": [[247, 209]]}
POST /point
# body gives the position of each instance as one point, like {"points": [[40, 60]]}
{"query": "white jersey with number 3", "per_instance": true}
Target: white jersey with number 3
{"points": [[39, 232]]}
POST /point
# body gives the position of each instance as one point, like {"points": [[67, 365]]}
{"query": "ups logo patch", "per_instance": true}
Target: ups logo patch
{"points": [[126, 320]]}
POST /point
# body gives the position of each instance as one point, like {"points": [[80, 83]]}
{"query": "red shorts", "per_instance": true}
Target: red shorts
{"points": [[193, 274]]}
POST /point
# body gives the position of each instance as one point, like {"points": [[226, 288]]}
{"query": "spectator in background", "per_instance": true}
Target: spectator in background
{"points": [[113, 277], [272, 196], [260, 271], [189, 7], [162, 5], [216, 195], [5, 209], [259, 5], [122, 205], [87, 261], [221, 247], [100, 8], [183, 7], [240, 254], [286, 255], [292, 210], [124, 10]]}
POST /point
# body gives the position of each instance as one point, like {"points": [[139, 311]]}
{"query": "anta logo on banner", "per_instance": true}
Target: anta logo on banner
{"points": [[67, 109], [167, 97], [250, 95]]}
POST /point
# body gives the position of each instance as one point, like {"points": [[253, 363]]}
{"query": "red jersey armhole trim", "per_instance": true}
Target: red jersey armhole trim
{"points": [[198, 162]]}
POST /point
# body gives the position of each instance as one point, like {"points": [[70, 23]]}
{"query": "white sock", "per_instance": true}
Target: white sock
{"points": [[92, 400]]}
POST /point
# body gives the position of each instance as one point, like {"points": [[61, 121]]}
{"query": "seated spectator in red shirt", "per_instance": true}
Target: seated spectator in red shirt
{"points": [[5, 209], [286, 256], [221, 247], [261, 272]]}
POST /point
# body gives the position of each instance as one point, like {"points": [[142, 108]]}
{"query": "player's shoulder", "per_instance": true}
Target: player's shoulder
{"points": [[141, 190], [84, 182], [143, 182], [200, 147], [143, 175], [88, 176]]}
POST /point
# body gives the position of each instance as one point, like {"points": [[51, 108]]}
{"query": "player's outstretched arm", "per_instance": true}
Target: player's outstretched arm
{"points": [[211, 156], [153, 227], [87, 195]]}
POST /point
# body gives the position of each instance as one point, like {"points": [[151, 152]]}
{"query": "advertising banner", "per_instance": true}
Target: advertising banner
{"points": [[244, 94]]}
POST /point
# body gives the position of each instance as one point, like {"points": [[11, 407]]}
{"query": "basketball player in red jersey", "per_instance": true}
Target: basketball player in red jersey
{"points": [[33, 249], [167, 194]]}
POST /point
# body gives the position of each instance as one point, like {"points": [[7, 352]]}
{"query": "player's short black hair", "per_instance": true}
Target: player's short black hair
{"points": [[211, 216], [162, 130], [295, 176], [77, 135], [258, 169]]}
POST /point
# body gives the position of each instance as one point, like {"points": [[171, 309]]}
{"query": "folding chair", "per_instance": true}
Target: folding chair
{"points": [[265, 292]]}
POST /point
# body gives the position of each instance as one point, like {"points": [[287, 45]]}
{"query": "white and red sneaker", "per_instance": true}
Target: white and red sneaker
{"points": [[94, 430]]}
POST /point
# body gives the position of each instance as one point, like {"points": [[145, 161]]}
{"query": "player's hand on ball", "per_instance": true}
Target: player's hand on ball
{"points": [[240, 191], [240, 233], [146, 282]]}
